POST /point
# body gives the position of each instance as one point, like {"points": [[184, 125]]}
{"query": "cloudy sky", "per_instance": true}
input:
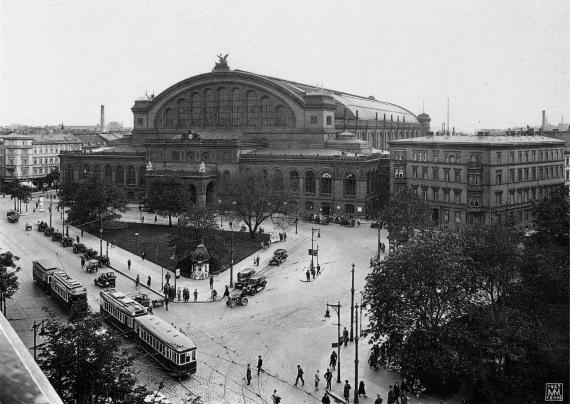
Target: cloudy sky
{"points": [[499, 62]]}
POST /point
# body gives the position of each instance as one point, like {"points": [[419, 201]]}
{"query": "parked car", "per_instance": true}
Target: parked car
{"points": [[255, 284], [79, 248], [237, 297], [279, 256], [103, 260], [28, 226], [90, 253], [143, 299], [13, 216], [92, 265], [42, 226], [48, 231], [56, 236], [106, 280], [67, 241], [243, 277]]}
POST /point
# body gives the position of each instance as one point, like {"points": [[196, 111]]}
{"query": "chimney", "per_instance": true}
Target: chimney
{"points": [[543, 126], [102, 119]]}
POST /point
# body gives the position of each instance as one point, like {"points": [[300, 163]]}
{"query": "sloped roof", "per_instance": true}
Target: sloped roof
{"points": [[55, 138], [479, 140]]}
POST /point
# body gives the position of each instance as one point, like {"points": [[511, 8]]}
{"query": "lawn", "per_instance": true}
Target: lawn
{"points": [[153, 240]]}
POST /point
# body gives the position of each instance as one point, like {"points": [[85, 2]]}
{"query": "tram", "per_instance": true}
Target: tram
{"points": [[69, 292], [173, 349], [43, 270], [120, 309]]}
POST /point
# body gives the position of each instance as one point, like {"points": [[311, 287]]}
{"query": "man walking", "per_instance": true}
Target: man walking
{"points": [[299, 375], [347, 391], [195, 295], [328, 378], [332, 363], [167, 277], [82, 262], [275, 398], [137, 281], [211, 282], [308, 273], [148, 281], [317, 380], [166, 303], [259, 364], [143, 255], [248, 374], [345, 336], [129, 264], [226, 293]]}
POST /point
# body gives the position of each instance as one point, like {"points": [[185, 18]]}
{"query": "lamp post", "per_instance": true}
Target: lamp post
{"points": [[101, 237], [137, 243], [231, 254], [352, 305], [220, 210], [336, 307], [50, 212], [356, 359], [313, 246], [35, 329]]}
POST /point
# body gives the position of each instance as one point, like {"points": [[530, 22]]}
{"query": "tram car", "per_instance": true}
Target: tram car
{"points": [[120, 309], [169, 346], [43, 270], [69, 292]]}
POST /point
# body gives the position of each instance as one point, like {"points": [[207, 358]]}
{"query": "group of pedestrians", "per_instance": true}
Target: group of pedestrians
{"points": [[312, 272]]}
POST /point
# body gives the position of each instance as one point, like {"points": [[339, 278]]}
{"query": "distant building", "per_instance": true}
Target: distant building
{"points": [[478, 179]]}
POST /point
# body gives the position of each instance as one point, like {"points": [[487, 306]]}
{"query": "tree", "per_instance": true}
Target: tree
{"points": [[8, 280], [167, 196], [20, 193], [52, 177], [551, 217], [254, 197], [406, 211], [83, 363], [93, 199]]}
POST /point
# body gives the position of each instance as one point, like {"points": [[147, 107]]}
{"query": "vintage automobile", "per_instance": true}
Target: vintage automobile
{"points": [[79, 248], [106, 280], [243, 277], [89, 253], [255, 284], [237, 297], [279, 256], [67, 241], [13, 216], [92, 265], [49, 231], [103, 260], [28, 226], [143, 299], [56, 236], [42, 226]]}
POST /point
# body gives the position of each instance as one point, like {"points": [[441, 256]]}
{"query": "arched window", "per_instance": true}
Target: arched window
{"points": [[238, 104], [119, 175], [252, 114], [205, 156], [142, 170], [326, 184], [310, 182], [350, 185], [266, 112], [176, 155], [196, 109], [209, 97], [278, 178], [280, 117], [294, 181], [97, 171], [189, 155], [108, 172], [183, 111], [131, 176], [168, 118], [223, 108]]}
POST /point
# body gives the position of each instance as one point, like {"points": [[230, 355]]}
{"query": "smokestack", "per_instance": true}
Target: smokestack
{"points": [[543, 120], [102, 118]]}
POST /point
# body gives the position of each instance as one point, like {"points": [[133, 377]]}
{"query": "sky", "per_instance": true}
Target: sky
{"points": [[499, 62]]}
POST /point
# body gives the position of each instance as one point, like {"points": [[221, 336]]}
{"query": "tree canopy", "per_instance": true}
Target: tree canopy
{"points": [[8, 279], [93, 199], [167, 196], [405, 212], [255, 197], [83, 362]]}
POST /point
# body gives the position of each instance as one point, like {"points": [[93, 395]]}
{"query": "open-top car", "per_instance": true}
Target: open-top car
{"points": [[103, 260], [92, 265], [67, 241], [237, 297], [48, 231], [243, 277], [56, 236], [255, 284], [106, 280], [90, 253], [42, 226], [279, 256], [79, 248]]}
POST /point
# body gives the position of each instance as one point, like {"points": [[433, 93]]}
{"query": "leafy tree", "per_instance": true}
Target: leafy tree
{"points": [[254, 198], [551, 218], [167, 196], [52, 177], [93, 199], [406, 211], [19, 194], [83, 363], [8, 280]]}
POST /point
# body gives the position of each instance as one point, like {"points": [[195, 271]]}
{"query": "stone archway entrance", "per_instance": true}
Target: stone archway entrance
{"points": [[193, 194], [210, 193]]}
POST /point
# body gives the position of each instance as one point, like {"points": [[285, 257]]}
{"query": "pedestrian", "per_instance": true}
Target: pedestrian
{"points": [[226, 292], [166, 303], [129, 264], [82, 262], [345, 336], [142, 219], [318, 269], [211, 281], [248, 374], [259, 364], [391, 396], [328, 378], [165, 289], [143, 255], [284, 236], [317, 380], [280, 237], [332, 363], [257, 259], [308, 273], [275, 398], [378, 399], [347, 390], [326, 399], [195, 295], [137, 281], [155, 218], [178, 293], [397, 391], [361, 390], [148, 281], [77, 239], [167, 277], [299, 375], [185, 294], [81, 232], [313, 272]]}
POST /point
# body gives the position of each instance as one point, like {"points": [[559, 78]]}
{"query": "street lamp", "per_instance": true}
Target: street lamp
{"points": [[352, 304], [356, 359], [231, 254], [35, 329], [137, 243], [312, 244], [336, 307], [220, 210]]}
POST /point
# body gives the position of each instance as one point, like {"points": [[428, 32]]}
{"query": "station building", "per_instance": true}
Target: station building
{"points": [[329, 146]]}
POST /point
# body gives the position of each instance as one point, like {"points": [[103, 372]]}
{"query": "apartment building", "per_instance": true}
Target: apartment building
{"points": [[478, 179]]}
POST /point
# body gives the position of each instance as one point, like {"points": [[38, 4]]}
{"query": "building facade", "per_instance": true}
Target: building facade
{"points": [[330, 147], [478, 179]]}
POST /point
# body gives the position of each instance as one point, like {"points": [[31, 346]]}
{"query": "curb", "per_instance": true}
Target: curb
{"points": [[336, 397]]}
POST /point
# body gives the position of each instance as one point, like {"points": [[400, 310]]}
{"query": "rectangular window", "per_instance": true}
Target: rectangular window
{"points": [[446, 174], [512, 175], [540, 173], [457, 175], [415, 172], [424, 193], [457, 197], [540, 156], [498, 157], [512, 157], [457, 216], [526, 174], [512, 197], [435, 156], [519, 196], [498, 198], [533, 194], [520, 157], [534, 173], [435, 194], [424, 173], [446, 195], [446, 215], [329, 120], [499, 177], [435, 173], [533, 155], [519, 174]]}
